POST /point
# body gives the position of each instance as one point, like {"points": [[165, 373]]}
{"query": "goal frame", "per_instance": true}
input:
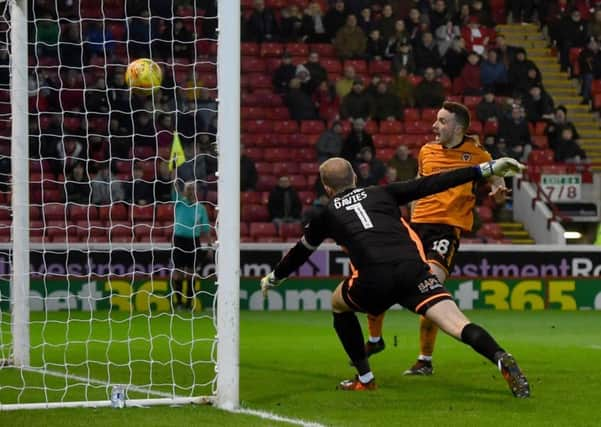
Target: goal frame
{"points": [[226, 395]]}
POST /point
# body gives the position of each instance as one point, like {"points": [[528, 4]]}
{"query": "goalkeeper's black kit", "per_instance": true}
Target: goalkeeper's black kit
{"points": [[386, 254]]}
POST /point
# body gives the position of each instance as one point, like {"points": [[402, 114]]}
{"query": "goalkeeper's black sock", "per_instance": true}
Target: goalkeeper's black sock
{"points": [[349, 332], [481, 341], [177, 289]]}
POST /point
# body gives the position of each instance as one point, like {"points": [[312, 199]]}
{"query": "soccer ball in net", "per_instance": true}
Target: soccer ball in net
{"points": [[144, 75]]}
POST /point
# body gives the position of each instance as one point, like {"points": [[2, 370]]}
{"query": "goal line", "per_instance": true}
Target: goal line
{"points": [[160, 398]]}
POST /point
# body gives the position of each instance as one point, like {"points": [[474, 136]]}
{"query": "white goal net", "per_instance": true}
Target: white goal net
{"points": [[109, 223]]}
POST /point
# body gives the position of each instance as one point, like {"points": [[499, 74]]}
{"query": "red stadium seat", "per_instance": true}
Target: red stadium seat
{"points": [[391, 126], [253, 113], [165, 212], [254, 81], [359, 65], [308, 168], [490, 230], [272, 49], [475, 127], [411, 114], [251, 64], [297, 49], [294, 229], [54, 211], [484, 213], [541, 157], [306, 197], [379, 67], [537, 128], [255, 213], [266, 182], [80, 212], [142, 213], [429, 114], [471, 101], [251, 139], [277, 154], [418, 127], [250, 198], [285, 168], [254, 153], [386, 154], [540, 141], [312, 126], [371, 127], [331, 65], [299, 182], [491, 127], [285, 126], [387, 140], [257, 126], [249, 49], [306, 154], [325, 50], [264, 168], [278, 113], [262, 230]]}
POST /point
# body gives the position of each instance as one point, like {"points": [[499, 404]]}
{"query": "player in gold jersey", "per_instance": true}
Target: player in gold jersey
{"points": [[440, 219]]}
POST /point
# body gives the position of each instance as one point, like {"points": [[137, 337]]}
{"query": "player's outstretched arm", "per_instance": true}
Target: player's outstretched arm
{"points": [[292, 261], [407, 191]]}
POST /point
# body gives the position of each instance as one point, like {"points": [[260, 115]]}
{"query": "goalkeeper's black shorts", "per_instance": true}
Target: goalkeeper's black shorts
{"points": [[186, 253], [376, 288]]}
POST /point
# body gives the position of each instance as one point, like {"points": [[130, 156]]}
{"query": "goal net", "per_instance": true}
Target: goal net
{"points": [[103, 280]]}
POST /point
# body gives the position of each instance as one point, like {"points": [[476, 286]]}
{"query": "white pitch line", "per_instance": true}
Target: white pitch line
{"points": [[274, 417], [130, 387], [596, 347], [261, 414]]}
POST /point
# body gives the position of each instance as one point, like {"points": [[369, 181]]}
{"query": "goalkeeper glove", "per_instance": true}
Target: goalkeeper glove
{"points": [[505, 166], [269, 282]]}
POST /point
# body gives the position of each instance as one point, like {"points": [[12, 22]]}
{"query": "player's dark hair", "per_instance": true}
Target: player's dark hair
{"points": [[338, 178], [462, 114]]}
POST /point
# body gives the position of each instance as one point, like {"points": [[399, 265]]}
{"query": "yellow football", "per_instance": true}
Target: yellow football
{"points": [[144, 75]]}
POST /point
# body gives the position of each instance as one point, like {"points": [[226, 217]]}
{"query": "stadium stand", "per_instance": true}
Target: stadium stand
{"points": [[275, 143]]}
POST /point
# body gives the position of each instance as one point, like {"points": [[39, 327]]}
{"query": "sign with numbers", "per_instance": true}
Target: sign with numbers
{"points": [[562, 188]]}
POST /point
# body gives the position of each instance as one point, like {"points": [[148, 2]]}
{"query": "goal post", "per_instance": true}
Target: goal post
{"points": [[228, 230], [20, 184], [88, 304]]}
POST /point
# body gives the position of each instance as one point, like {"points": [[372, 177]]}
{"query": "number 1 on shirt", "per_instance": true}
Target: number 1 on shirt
{"points": [[362, 214]]}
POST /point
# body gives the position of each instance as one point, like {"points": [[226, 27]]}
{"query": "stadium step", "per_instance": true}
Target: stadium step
{"points": [[523, 242], [511, 226], [516, 234], [552, 74], [567, 100], [591, 133], [517, 28]]}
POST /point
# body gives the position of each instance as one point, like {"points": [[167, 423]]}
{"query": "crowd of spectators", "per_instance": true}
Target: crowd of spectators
{"points": [[103, 138], [435, 50]]}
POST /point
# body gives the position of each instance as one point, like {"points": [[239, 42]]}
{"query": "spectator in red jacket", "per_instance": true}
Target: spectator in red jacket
{"points": [[476, 36]]}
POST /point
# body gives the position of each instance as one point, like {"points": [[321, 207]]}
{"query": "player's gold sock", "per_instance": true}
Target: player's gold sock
{"points": [[374, 324], [427, 336]]}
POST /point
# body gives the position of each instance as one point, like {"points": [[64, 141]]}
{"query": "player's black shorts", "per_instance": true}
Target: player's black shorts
{"points": [[186, 253], [375, 289], [440, 243]]}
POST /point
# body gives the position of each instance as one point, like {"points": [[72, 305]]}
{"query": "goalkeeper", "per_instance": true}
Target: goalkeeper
{"points": [[388, 263]]}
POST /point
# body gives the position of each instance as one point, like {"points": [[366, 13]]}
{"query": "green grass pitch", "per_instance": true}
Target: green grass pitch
{"points": [[291, 362]]}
